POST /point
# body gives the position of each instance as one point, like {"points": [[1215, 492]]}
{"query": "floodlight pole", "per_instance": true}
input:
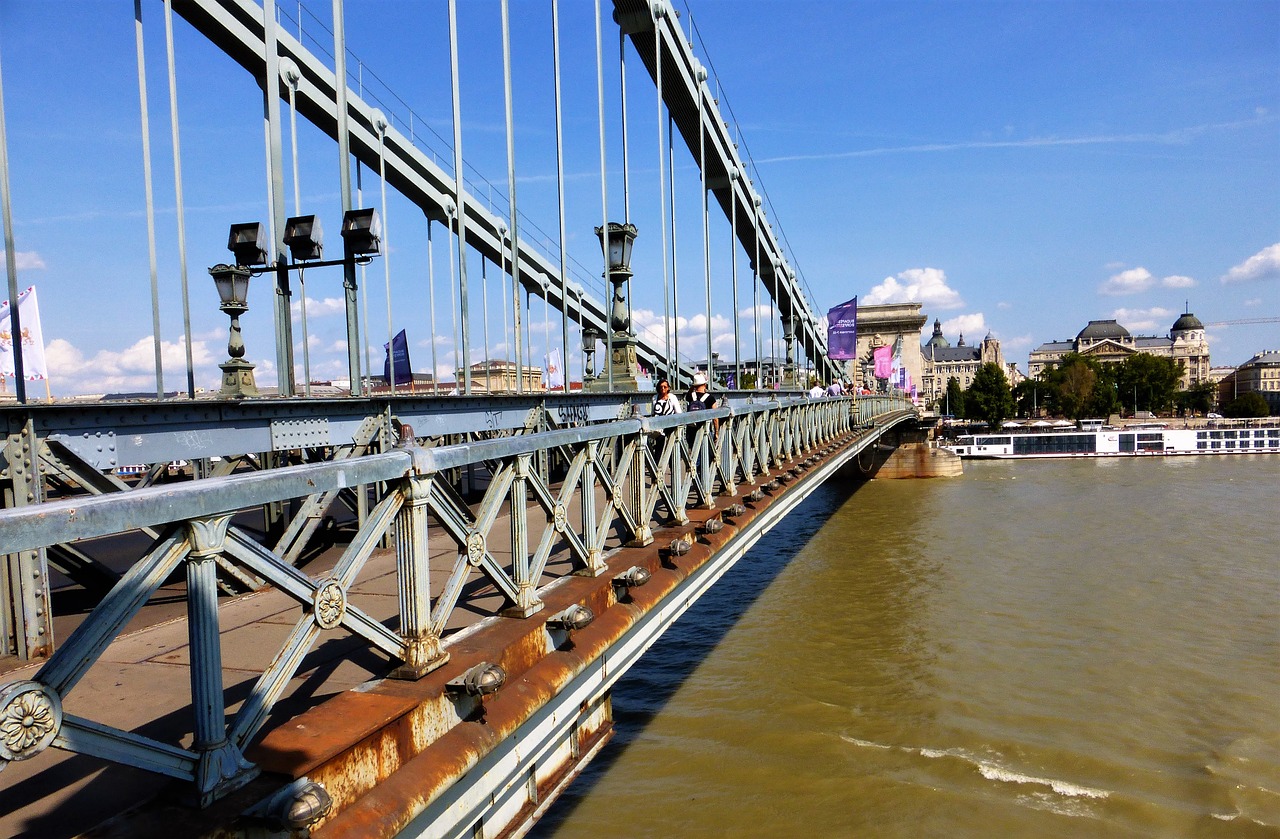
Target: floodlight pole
{"points": [[349, 286]]}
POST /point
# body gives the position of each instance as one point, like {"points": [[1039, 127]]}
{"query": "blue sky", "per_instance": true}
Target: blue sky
{"points": [[1019, 168]]}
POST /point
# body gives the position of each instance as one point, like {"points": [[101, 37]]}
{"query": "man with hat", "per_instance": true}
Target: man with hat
{"points": [[699, 397]]}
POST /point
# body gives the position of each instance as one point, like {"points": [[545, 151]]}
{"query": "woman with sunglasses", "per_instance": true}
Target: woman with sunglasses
{"points": [[665, 402]]}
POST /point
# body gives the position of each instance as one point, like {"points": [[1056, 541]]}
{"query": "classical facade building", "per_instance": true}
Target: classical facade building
{"points": [[1109, 342], [885, 325], [942, 362], [1260, 374]]}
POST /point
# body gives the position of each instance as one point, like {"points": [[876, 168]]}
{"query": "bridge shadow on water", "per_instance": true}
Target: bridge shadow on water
{"points": [[644, 691]]}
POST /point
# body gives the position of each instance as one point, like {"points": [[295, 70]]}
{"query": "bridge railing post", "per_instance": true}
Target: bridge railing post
{"points": [[422, 651], [220, 765], [587, 504]]}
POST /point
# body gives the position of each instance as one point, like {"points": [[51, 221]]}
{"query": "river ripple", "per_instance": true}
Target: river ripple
{"points": [[1054, 648]]}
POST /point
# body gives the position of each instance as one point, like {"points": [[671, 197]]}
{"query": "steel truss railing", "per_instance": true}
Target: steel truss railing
{"points": [[616, 481]]}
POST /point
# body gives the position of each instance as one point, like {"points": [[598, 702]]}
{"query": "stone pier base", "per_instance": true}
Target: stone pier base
{"points": [[919, 460]]}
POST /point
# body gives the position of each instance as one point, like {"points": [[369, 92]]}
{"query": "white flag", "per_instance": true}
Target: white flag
{"points": [[31, 340], [555, 369]]}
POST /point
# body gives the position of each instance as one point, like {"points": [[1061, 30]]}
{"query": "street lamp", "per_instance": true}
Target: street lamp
{"points": [[589, 337], [789, 336], [616, 241], [232, 282]]}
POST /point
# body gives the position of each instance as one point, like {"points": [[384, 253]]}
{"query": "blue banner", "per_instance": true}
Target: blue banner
{"points": [[842, 331], [398, 350]]}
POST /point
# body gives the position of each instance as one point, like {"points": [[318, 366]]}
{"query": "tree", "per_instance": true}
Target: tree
{"points": [[989, 397], [1251, 404], [953, 402], [748, 380], [1196, 399], [1148, 382], [1075, 390], [1029, 395]]}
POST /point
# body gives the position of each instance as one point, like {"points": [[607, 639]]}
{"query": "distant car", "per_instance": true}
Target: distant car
{"points": [[1212, 415]]}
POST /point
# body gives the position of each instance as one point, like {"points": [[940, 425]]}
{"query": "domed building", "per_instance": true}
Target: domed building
{"points": [[1109, 342], [943, 362]]}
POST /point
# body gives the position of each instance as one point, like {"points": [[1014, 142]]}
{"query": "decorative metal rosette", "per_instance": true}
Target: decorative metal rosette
{"points": [[475, 548], [559, 518], [30, 717], [330, 604]]}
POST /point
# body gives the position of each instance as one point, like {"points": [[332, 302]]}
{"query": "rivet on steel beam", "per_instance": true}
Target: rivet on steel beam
{"points": [[712, 526], [481, 680], [678, 547], [773, 485], [755, 494], [633, 577], [575, 617], [734, 510]]}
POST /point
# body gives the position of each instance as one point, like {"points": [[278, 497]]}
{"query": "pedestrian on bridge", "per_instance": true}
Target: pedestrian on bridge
{"points": [[699, 398], [665, 402]]}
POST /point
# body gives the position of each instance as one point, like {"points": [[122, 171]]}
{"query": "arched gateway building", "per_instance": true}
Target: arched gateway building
{"points": [[1109, 342]]}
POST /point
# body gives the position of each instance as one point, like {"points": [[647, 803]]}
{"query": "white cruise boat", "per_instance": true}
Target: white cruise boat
{"points": [[1259, 437]]}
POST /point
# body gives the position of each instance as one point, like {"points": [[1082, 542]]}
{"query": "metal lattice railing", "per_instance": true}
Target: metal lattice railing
{"points": [[613, 482]]}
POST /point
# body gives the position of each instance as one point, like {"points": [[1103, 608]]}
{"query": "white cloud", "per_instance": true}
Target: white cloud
{"points": [[1144, 320], [130, 369], [28, 260], [916, 285], [1253, 301], [1004, 305], [320, 308], [1019, 342], [1263, 265], [1178, 281], [973, 327], [1133, 281]]}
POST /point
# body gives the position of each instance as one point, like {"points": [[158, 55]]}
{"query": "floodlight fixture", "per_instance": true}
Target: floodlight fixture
{"points": [[481, 680], [573, 618], [633, 577], [248, 241], [362, 232], [305, 237]]}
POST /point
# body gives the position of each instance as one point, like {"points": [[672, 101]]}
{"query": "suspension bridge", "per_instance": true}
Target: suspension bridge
{"points": [[399, 611]]}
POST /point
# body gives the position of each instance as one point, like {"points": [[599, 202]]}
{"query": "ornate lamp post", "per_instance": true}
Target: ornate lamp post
{"points": [[789, 335], [616, 241], [589, 337], [232, 282]]}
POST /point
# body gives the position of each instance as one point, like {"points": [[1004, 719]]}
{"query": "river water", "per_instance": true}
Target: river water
{"points": [[1054, 648]]}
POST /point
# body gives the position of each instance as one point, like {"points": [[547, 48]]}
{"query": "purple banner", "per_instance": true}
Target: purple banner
{"points": [[842, 331]]}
